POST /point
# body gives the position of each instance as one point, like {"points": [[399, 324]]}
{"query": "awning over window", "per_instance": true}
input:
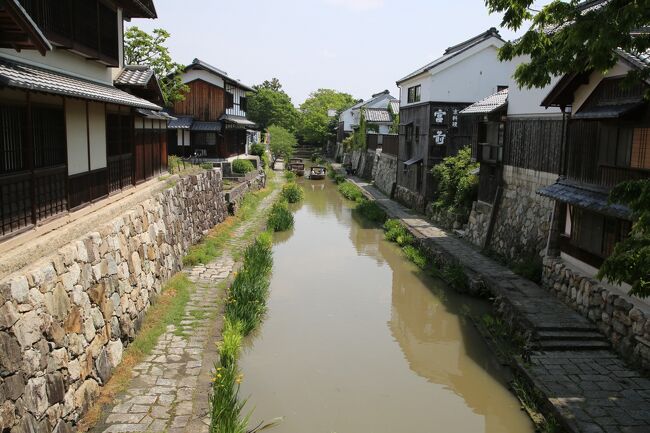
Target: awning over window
{"points": [[206, 127], [412, 161], [587, 199], [28, 77], [607, 111], [237, 120]]}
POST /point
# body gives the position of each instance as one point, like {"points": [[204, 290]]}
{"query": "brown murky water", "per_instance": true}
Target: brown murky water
{"points": [[358, 341]]}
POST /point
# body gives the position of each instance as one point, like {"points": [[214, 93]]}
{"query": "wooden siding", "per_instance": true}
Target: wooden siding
{"points": [[535, 144], [205, 101]]}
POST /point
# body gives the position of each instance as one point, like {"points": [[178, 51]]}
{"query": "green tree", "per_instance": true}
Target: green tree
{"points": [[456, 183], [359, 135], [315, 125], [394, 127], [572, 36], [283, 143], [270, 105], [630, 261], [142, 48]]}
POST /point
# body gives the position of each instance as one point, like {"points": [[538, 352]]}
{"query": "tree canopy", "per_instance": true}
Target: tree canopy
{"points": [[316, 126], [283, 143], [630, 261], [272, 106], [142, 48], [572, 36]]}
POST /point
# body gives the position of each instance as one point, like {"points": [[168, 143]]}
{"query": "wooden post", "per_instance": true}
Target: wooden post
{"points": [[30, 155], [90, 183]]}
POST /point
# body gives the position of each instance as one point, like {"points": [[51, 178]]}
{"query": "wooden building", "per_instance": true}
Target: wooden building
{"points": [[608, 143], [431, 99], [69, 135], [211, 120]]}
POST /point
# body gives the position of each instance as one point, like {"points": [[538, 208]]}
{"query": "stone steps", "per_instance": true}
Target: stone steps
{"points": [[578, 338]]}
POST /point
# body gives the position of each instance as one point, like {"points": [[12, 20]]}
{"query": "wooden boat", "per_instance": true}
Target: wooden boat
{"points": [[297, 168], [295, 161], [317, 172]]}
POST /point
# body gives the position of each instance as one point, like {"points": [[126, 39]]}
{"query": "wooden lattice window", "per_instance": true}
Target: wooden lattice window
{"points": [[640, 157], [12, 139], [48, 131]]}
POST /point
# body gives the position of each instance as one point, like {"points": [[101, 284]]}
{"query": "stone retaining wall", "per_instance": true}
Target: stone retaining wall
{"points": [[385, 174], [235, 196], [523, 218], [626, 326], [65, 320]]}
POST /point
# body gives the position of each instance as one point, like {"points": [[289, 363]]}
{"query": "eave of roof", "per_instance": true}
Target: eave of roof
{"points": [[23, 21], [200, 64], [28, 77], [139, 8], [567, 192], [453, 52]]}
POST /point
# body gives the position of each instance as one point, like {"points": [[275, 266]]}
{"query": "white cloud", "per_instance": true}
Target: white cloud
{"points": [[357, 5]]}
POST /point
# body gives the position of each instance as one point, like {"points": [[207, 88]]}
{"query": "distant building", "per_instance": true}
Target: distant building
{"points": [[70, 135], [431, 99], [211, 121], [378, 110]]}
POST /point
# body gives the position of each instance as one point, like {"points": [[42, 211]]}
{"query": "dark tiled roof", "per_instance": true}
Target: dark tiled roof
{"points": [[181, 122], [453, 51], [639, 60], [377, 115], [153, 114], [607, 111], [198, 63], [23, 76], [488, 105], [134, 75], [206, 126], [139, 8], [595, 201]]}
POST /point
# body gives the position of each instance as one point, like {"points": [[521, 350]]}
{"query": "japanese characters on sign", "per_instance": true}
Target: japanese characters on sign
{"points": [[439, 116], [439, 137], [454, 118]]}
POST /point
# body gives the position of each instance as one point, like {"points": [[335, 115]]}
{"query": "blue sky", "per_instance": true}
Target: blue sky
{"points": [[357, 46]]}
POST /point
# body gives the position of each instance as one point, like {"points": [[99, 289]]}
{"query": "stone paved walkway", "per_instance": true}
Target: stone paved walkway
{"points": [[590, 391], [170, 388]]}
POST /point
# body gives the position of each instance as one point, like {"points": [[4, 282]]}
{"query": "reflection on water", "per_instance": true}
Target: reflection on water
{"points": [[356, 340]]}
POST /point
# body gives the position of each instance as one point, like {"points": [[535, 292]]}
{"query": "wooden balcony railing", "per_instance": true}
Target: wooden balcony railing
{"points": [[610, 176]]}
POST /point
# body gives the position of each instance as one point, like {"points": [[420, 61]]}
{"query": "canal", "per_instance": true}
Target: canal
{"points": [[357, 340]]}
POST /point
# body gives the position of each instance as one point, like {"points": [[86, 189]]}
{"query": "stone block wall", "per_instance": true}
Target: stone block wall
{"points": [[235, 196], [410, 198], [523, 218], [627, 326], [66, 319], [385, 173], [366, 163]]}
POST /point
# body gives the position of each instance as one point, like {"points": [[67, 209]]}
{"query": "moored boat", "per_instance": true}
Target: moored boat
{"points": [[297, 168], [317, 172]]}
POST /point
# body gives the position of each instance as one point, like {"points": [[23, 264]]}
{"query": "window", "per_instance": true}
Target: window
{"points": [[615, 145], [413, 94], [48, 133], [640, 157], [595, 233], [12, 139], [243, 103], [417, 135], [409, 140], [230, 100]]}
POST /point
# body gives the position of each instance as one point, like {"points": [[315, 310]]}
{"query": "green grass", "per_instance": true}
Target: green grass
{"points": [[371, 211], [289, 176], [415, 255], [395, 231], [454, 275], [280, 217], [530, 268], [292, 192], [350, 191]]}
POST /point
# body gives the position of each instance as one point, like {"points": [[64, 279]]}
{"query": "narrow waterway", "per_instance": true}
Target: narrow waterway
{"points": [[358, 341]]}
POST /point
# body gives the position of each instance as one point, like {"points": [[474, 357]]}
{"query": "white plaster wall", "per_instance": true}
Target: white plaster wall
{"points": [[527, 102], [237, 95], [64, 62], [97, 129], [75, 123], [583, 92], [471, 76], [194, 74], [384, 129], [347, 118], [179, 135]]}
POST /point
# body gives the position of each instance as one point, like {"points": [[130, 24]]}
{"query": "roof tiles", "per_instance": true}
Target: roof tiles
{"points": [[134, 75], [489, 104]]}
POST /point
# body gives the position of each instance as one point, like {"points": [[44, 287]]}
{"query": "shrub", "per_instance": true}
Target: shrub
{"points": [[339, 178], [246, 302], [242, 166], [415, 255], [371, 210], [257, 149], [456, 185], [207, 166], [290, 176], [396, 232], [292, 192], [350, 191], [280, 217]]}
